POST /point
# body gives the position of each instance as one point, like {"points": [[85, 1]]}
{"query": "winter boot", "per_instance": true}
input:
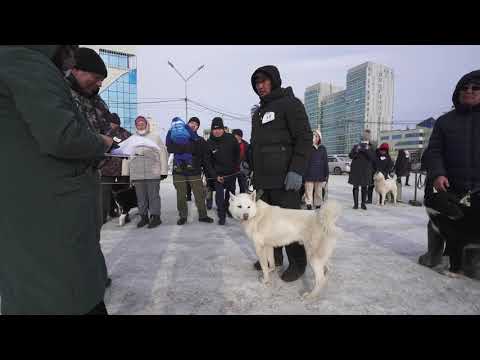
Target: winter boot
{"points": [[221, 221], [309, 207], [143, 222], [182, 221], [433, 256], [355, 198], [297, 262], [364, 198], [294, 271], [206, 219], [154, 221]]}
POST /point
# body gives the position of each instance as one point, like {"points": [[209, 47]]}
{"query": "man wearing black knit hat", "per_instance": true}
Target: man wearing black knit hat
{"points": [[85, 79], [281, 144], [225, 153]]}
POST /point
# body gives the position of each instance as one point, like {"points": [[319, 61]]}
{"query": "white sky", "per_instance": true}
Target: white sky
{"points": [[425, 76]]}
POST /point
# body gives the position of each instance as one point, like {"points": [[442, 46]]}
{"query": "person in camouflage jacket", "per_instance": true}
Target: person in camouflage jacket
{"points": [[85, 80]]}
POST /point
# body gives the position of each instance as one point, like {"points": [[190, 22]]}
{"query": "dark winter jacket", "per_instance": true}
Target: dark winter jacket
{"points": [[281, 136], [454, 146], [384, 164], [362, 166], [402, 165], [317, 169], [113, 166], [50, 256], [225, 154], [201, 160]]}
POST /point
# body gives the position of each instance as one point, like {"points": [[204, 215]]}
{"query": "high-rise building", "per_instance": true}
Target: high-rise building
{"points": [[119, 89], [333, 122], [369, 101], [313, 97]]}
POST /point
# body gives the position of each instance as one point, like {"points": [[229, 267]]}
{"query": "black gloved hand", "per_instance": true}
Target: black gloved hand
{"points": [[163, 177]]}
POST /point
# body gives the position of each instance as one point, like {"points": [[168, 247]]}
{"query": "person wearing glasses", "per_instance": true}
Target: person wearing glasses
{"points": [[453, 160]]}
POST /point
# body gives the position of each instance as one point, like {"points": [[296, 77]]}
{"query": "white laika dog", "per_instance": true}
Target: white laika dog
{"points": [[383, 187], [271, 226]]}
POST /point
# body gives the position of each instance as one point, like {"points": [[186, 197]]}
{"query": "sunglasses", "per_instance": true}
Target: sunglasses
{"points": [[474, 87]]}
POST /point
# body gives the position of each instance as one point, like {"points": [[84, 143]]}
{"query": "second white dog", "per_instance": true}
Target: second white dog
{"points": [[385, 186], [271, 226]]}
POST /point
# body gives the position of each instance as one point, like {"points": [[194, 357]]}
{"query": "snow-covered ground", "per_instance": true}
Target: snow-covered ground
{"points": [[207, 269]]}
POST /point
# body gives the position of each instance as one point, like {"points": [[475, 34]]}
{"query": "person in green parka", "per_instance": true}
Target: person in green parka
{"points": [[50, 256]]}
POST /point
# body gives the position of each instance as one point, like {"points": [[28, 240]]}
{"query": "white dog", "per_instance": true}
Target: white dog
{"points": [[271, 226], [384, 187]]}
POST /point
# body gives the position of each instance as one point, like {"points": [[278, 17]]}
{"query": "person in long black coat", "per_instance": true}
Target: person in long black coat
{"points": [[361, 171], [401, 169]]}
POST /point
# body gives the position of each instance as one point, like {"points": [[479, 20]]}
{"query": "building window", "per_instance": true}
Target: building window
{"points": [[396, 137]]}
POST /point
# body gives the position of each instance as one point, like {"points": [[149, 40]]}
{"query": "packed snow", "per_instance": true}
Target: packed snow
{"points": [[203, 268]]}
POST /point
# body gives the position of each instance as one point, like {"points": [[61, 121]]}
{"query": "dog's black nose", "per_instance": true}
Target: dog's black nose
{"points": [[245, 216]]}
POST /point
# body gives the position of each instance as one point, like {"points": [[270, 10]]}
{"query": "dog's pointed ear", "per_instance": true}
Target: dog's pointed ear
{"points": [[253, 195], [232, 196]]}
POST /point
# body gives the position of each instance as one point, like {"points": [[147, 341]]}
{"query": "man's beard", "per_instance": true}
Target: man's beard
{"points": [[142, 132]]}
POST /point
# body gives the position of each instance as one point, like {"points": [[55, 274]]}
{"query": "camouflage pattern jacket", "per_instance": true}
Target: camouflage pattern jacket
{"points": [[93, 107]]}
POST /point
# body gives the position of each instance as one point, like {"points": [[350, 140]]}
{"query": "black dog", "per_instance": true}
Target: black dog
{"points": [[451, 219], [126, 199]]}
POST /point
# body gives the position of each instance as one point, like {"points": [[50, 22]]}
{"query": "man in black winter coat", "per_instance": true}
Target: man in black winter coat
{"points": [[281, 146], [453, 160], [225, 153]]}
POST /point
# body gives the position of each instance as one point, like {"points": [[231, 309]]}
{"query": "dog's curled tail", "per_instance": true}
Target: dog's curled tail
{"points": [[328, 215]]}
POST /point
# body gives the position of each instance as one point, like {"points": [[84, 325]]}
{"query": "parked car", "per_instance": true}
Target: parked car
{"points": [[338, 164]]}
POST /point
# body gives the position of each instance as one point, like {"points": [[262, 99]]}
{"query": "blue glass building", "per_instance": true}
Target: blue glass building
{"points": [[120, 87], [333, 122]]}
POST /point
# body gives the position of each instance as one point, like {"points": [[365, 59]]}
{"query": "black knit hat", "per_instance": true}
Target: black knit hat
{"points": [[217, 123], [88, 60], [195, 120], [115, 119], [237, 132]]}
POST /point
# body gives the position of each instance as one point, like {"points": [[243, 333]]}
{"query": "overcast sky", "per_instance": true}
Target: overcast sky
{"points": [[425, 76]]}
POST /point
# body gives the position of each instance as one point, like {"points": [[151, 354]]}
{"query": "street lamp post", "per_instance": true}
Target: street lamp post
{"points": [[186, 81]]}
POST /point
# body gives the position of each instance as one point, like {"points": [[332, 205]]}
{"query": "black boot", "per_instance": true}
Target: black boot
{"points": [[297, 260], [182, 221], [364, 198], [277, 255], [309, 207], [436, 244], [355, 198], [221, 221], [143, 222], [154, 221], [206, 219]]}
